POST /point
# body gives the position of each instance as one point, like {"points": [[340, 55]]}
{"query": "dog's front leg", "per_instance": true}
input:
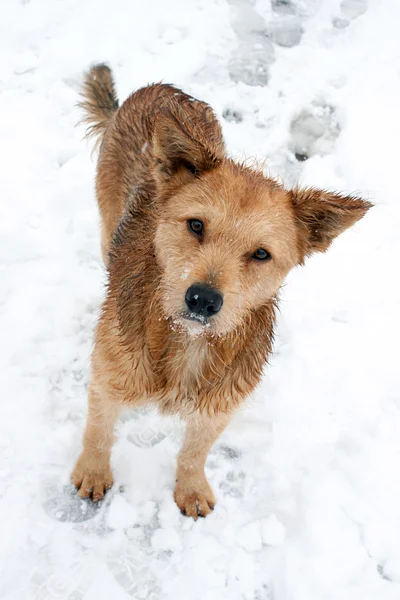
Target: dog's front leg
{"points": [[92, 474], [193, 493]]}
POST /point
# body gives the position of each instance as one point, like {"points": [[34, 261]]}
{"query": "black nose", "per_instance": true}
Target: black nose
{"points": [[203, 300]]}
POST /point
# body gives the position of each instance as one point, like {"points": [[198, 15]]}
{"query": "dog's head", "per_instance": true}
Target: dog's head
{"points": [[227, 236]]}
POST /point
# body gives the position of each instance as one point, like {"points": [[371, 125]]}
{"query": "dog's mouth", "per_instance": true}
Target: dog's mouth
{"points": [[190, 316], [191, 323]]}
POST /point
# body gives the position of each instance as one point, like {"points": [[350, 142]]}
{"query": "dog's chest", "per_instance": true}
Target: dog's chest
{"points": [[184, 375], [189, 364]]}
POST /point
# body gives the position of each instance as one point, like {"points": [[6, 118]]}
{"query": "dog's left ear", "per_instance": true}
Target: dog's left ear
{"points": [[322, 216], [184, 147]]}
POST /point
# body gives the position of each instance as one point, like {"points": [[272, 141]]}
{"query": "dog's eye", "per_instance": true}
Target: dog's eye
{"points": [[261, 254], [190, 167], [196, 226]]}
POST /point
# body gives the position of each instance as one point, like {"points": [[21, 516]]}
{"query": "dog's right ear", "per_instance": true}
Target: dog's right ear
{"points": [[323, 215], [184, 148]]}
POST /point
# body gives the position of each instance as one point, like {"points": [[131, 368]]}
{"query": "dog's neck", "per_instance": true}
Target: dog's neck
{"points": [[177, 354]]}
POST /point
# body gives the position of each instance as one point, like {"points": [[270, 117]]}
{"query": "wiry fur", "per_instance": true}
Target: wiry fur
{"points": [[162, 161], [99, 100]]}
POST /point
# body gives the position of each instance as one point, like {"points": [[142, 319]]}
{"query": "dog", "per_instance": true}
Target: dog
{"points": [[196, 247]]}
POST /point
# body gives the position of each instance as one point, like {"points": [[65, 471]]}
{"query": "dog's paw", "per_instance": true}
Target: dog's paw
{"points": [[195, 499], [91, 481]]}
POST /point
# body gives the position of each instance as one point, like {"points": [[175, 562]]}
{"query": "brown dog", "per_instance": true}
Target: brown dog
{"points": [[197, 247]]}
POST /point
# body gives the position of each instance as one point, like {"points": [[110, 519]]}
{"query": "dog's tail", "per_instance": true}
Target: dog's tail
{"points": [[99, 100]]}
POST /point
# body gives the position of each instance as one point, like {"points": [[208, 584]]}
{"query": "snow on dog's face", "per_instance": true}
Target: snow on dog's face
{"points": [[227, 236]]}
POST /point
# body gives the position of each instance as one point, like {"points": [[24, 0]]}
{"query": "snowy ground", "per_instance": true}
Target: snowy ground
{"points": [[308, 474]]}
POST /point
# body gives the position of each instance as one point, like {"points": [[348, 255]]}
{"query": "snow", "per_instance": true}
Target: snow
{"points": [[307, 476], [273, 532]]}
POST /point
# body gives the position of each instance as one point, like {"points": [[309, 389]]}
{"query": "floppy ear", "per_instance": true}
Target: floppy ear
{"points": [[184, 147], [323, 215]]}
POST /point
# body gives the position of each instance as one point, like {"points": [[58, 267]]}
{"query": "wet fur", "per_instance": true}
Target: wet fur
{"points": [[162, 160]]}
